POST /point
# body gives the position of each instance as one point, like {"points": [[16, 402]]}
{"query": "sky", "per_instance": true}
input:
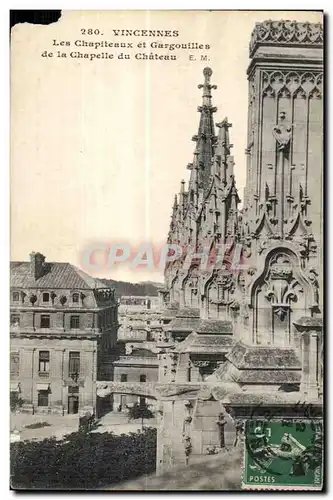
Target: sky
{"points": [[99, 147]]}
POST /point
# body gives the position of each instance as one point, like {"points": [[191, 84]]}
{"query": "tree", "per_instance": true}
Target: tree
{"points": [[15, 401], [140, 410]]}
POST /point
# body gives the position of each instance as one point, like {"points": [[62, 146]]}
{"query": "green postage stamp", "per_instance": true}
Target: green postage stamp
{"points": [[283, 455]]}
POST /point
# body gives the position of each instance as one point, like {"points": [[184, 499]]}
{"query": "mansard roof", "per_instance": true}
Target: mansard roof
{"points": [[55, 275]]}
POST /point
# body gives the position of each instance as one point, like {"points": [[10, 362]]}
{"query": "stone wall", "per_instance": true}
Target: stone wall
{"points": [[186, 429], [133, 371], [57, 378]]}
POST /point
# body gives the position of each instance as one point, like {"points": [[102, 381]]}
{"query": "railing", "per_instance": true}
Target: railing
{"points": [[145, 360], [145, 389], [132, 335]]}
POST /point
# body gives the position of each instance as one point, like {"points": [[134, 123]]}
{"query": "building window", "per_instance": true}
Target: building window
{"points": [[123, 377], [45, 321], [16, 296], [43, 398], [143, 378], [44, 361], [74, 364], [75, 322], [15, 320], [73, 400], [75, 298], [14, 364], [46, 297], [142, 401]]}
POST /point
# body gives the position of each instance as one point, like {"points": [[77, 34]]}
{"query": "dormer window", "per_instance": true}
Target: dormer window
{"points": [[75, 298], [16, 296], [46, 297]]}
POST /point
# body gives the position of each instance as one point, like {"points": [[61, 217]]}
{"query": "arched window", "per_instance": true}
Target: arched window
{"points": [[75, 298]]}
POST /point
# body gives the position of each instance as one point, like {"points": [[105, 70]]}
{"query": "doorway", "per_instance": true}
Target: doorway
{"points": [[142, 402], [73, 400], [122, 406]]}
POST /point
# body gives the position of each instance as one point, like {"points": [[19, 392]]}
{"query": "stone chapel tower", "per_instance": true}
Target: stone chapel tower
{"points": [[282, 215], [249, 336]]}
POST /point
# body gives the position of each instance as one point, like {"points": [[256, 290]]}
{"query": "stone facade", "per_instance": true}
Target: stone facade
{"points": [[63, 329], [254, 339], [140, 327]]}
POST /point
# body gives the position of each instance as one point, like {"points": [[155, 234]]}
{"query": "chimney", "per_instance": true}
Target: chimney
{"points": [[37, 264]]}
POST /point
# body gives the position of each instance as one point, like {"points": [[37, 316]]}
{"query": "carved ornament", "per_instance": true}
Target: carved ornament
{"points": [[282, 132], [286, 33]]}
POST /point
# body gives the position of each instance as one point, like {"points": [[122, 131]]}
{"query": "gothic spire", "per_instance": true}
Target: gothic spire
{"points": [[174, 211], [175, 203], [173, 222], [182, 195], [223, 149], [205, 138]]}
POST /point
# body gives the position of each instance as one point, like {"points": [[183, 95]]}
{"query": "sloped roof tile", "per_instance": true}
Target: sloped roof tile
{"points": [[56, 275], [263, 357], [216, 327]]}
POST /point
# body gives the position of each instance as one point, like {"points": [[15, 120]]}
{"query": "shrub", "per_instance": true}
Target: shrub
{"points": [[37, 425], [82, 460], [15, 401]]}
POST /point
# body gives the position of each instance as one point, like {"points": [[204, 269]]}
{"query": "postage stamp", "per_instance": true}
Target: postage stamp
{"points": [[283, 455]]}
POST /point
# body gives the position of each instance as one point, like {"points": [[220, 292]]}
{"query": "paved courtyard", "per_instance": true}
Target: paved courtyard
{"points": [[58, 426]]}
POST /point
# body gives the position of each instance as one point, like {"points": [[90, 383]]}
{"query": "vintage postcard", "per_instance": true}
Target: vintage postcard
{"points": [[166, 275]]}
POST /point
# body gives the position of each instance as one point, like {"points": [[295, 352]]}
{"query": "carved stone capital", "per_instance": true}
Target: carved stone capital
{"points": [[286, 33]]}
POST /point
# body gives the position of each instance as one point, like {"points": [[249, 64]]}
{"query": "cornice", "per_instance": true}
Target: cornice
{"points": [[286, 63], [287, 33]]}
